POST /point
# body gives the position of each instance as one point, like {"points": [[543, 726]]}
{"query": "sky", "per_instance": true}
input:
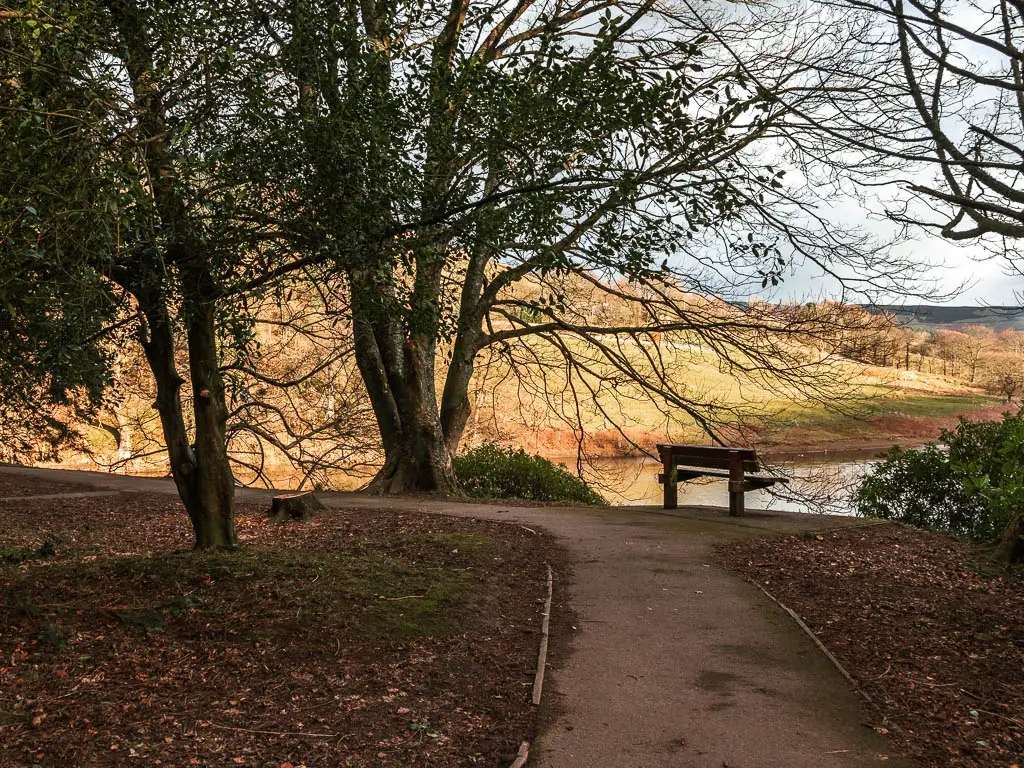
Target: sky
{"points": [[989, 283], [964, 269], [983, 281]]}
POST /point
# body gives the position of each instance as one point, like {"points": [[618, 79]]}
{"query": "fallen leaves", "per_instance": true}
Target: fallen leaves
{"points": [[307, 647]]}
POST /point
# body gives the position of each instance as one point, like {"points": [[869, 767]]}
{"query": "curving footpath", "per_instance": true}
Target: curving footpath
{"points": [[674, 661]]}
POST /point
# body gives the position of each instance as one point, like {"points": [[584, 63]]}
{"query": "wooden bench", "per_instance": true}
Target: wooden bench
{"points": [[739, 465]]}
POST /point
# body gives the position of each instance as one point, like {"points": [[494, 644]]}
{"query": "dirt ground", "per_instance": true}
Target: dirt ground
{"points": [[932, 633], [18, 486], [361, 638]]}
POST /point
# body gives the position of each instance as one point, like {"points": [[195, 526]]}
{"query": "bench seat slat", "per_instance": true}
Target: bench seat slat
{"points": [[683, 473], [710, 456], [716, 463], [705, 450]]}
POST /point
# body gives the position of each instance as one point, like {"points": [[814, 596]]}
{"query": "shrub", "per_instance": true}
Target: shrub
{"points": [[491, 471], [918, 487], [970, 482]]}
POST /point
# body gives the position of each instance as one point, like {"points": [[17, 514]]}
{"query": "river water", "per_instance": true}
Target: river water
{"points": [[820, 483]]}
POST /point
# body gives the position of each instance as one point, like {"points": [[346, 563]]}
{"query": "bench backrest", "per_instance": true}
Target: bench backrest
{"points": [[710, 456]]}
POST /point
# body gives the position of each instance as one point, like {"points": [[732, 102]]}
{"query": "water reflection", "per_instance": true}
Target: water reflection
{"points": [[819, 484]]}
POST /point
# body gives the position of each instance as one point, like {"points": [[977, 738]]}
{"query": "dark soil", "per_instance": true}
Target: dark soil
{"points": [[356, 639], [13, 485], [929, 631]]}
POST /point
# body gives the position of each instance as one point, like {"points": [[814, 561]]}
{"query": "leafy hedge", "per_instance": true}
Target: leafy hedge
{"points": [[493, 472], [970, 482]]}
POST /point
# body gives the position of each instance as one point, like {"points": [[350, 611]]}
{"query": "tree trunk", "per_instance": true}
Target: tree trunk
{"points": [[212, 508], [418, 459], [398, 370], [419, 437], [420, 464], [417, 455], [124, 434], [200, 469], [201, 472], [396, 350], [1011, 546], [455, 404]]}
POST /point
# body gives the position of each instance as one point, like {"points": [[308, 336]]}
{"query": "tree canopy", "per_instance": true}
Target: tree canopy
{"points": [[456, 172]]}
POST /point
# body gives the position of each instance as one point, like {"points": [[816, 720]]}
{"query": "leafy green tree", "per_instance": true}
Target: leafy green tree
{"points": [[118, 209], [459, 168]]}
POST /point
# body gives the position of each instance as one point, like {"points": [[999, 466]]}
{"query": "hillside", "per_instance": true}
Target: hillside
{"points": [[936, 317], [870, 408]]}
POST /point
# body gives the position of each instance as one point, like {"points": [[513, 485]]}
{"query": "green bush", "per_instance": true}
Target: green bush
{"points": [[918, 487], [969, 483], [505, 473]]}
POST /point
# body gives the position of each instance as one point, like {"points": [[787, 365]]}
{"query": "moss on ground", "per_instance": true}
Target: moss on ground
{"points": [[400, 588]]}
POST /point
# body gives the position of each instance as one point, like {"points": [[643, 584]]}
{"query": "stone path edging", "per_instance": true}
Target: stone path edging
{"points": [[542, 662], [821, 646]]}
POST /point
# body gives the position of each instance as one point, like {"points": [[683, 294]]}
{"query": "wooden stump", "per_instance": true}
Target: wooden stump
{"points": [[295, 506]]}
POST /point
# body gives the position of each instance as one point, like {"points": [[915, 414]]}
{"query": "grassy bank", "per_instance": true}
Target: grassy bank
{"points": [[537, 408], [880, 417], [847, 402], [895, 418]]}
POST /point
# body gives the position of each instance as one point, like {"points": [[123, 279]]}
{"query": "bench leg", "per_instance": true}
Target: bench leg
{"points": [[735, 484], [671, 486], [735, 503]]}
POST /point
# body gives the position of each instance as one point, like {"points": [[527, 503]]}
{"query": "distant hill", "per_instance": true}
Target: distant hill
{"points": [[935, 317]]}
